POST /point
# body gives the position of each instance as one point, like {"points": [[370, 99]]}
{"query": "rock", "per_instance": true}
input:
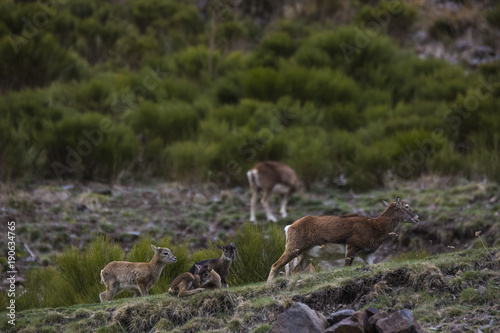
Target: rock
{"points": [[372, 321], [299, 318], [80, 207], [103, 192], [462, 45], [407, 314], [361, 318], [346, 325], [372, 311], [398, 322], [483, 52], [421, 36], [481, 290], [339, 315], [487, 326]]}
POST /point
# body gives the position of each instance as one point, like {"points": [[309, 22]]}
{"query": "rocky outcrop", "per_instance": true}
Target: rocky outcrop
{"points": [[301, 318]]}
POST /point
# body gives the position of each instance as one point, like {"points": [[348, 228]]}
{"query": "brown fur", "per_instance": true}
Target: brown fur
{"points": [[139, 276], [269, 176], [188, 284], [359, 233], [214, 282], [220, 265]]}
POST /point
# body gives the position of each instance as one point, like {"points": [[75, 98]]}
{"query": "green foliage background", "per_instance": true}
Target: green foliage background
{"points": [[140, 89]]}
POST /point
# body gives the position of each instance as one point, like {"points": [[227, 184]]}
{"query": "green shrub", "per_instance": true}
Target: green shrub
{"points": [[45, 287], [94, 95], [327, 87], [186, 19], [81, 9], [273, 46], [89, 146], [133, 46], [260, 83], [252, 263], [169, 121], [307, 153], [97, 37], [188, 160], [144, 13], [14, 159], [175, 89], [481, 160], [75, 279], [193, 61], [447, 161], [228, 90], [81, 269], [311, 57], [387, 18], [229, 32], [493, 16], [53, 62], [370, 164]]}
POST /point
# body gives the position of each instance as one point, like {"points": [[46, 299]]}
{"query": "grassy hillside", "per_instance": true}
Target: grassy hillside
{"points": [[67, 235], [458, 290]]}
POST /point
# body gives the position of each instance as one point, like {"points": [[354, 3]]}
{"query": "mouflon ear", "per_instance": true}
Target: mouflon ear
{"points": [[385, 203], [398, 202], [154, 247], [220, 247]]}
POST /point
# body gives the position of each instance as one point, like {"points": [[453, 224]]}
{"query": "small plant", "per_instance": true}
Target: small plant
{"points": [[411, 255], [261, 328], [478, 235], [83, 313], [53, 317], [235, 325], [101, 317], [252, 262]]}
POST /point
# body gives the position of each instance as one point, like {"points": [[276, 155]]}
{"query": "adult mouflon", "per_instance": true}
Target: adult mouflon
{"points": [[348, 235]]}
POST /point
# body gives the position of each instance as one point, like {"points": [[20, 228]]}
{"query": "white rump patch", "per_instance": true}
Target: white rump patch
{"points": [[280, 188], [256, 177]]}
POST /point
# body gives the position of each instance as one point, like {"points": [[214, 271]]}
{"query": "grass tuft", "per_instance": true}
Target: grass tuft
{"points": [[53, 317]]}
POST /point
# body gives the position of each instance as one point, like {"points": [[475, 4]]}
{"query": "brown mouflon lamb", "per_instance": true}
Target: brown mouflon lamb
{"points": [[220, 265], [138, 276], [188, 284]]}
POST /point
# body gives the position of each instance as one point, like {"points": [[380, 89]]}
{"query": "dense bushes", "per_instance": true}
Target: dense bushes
{"points": [[184, 101]]}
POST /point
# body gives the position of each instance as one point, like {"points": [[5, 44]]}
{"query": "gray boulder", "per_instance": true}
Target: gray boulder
{"points": [[299, 318], [347, 325], [398, 322], [339, 315]]}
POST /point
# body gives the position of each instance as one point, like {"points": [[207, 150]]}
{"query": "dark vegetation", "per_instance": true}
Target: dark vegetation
{"points": [[121, 91]]}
